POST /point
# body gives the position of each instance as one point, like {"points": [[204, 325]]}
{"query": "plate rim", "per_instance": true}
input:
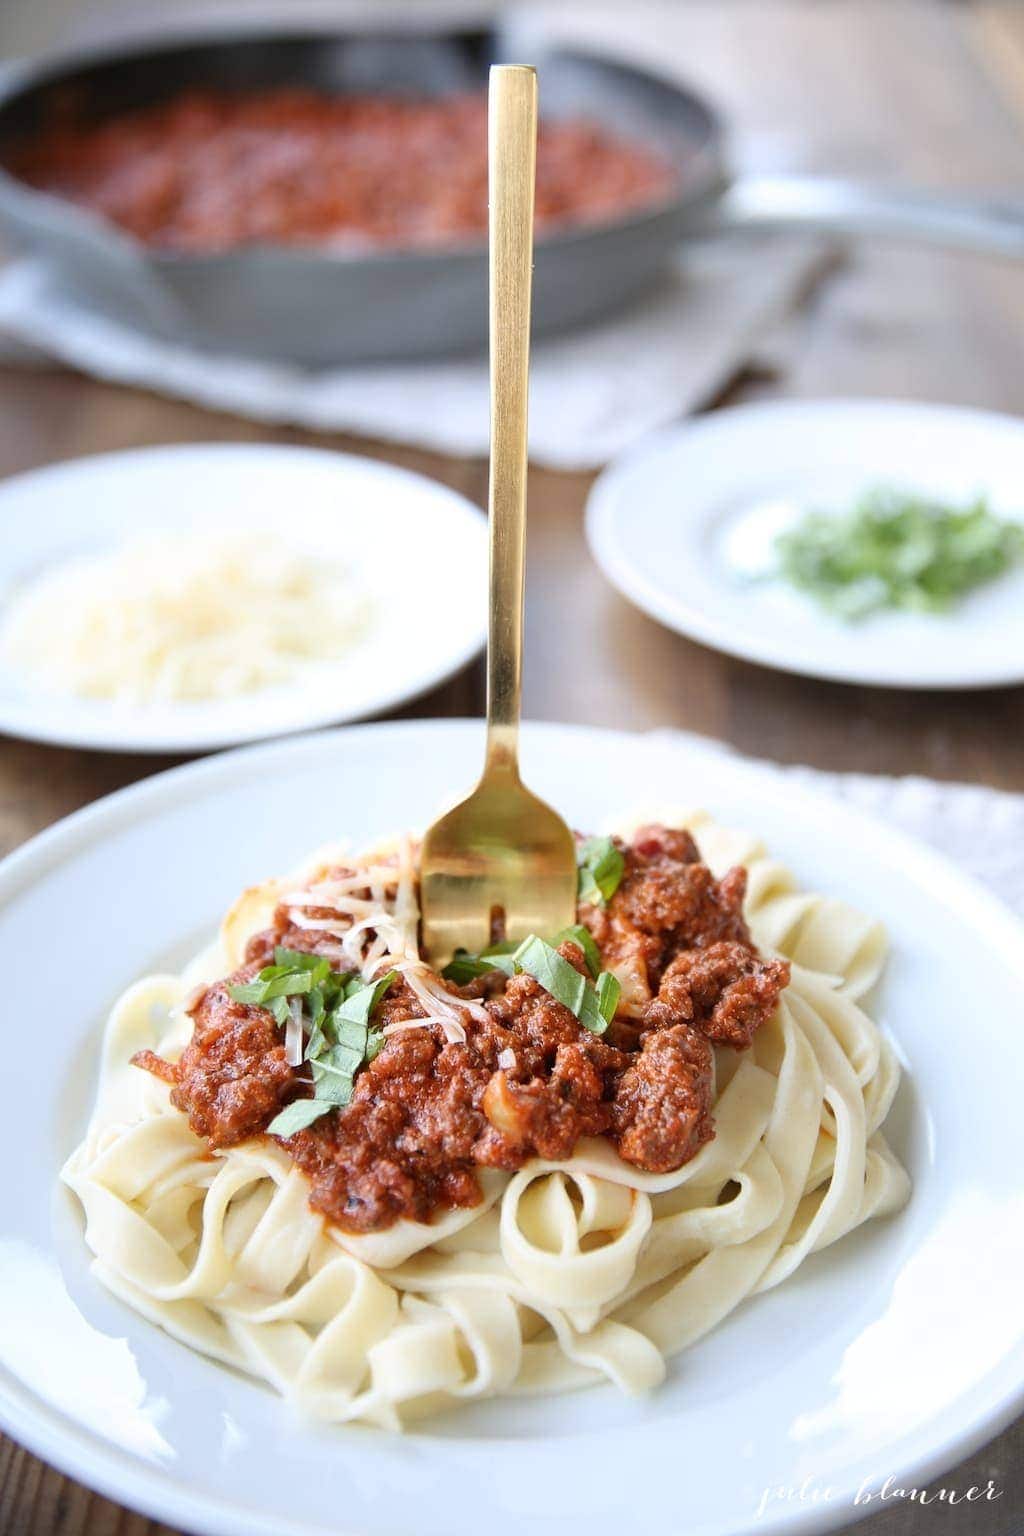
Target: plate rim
{"points": [[169, 742], [102, 1465], [695, 623]]}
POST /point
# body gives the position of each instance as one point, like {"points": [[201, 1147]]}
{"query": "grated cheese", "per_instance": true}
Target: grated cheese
{"points": [[379, 933], [293, 1034], [183, 618]]}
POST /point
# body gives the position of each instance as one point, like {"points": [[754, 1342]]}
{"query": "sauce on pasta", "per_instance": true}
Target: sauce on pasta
{"points": [[527, 1078], [208, 170], [565, 1272]]}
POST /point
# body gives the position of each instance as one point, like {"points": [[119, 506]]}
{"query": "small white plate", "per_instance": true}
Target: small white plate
{"points": [[894, 1353], [683, 525], [416, 549]]}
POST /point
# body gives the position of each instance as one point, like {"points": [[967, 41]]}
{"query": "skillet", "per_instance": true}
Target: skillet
{"points": [[314, 306]]}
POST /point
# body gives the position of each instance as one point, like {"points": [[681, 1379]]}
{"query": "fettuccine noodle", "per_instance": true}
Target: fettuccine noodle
{"points": [[567, 1273]]}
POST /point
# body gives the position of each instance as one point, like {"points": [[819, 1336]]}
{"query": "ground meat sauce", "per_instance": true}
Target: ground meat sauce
{"points": [[232, 1077], [531, 1080], [207, 171]]}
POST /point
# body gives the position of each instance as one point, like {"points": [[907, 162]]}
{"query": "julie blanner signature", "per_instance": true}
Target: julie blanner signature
{"points": [[871, 1491]]}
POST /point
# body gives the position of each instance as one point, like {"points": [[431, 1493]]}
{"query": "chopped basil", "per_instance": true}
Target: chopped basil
{"points": [[601, 867], [897, 550], [250, 992], [362, 1000], [338, 1009], [341, 1044], [279, 1008], [464, 967], [291, 984], [349, 1033], [590, 1015], [609, 990], [317, 1041], [299, 960], [554, 973], [577, 934], [294, 974], [334, 1075], [342, 1060], [273, 981], [593, 1006], [296, 1117]]}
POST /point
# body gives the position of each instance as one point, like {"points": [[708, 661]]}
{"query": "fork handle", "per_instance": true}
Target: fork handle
{"points": [[512, 157]]}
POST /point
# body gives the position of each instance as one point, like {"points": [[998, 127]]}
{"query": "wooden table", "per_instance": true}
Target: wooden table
{"points": [[914, 88]]}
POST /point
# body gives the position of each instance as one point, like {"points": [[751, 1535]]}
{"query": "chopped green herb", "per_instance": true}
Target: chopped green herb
{"points": [[554, 973], [566, 985], [334, 1074], [464, 967], [317, 1042], [340, 1043], [291, 984], [274, 981], [317, 1008], [350, 1033], [577, 934], [279, 1008], [343, 1059], [296, 1117], [897, 551], [601, 867], [609, 990], [249, 992], [594, 1008], [338, 1009], [363, 999], [299, 960]]}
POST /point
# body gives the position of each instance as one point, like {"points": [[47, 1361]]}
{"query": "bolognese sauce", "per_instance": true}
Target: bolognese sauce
{"points": [[210, 170], [528, 1079]]}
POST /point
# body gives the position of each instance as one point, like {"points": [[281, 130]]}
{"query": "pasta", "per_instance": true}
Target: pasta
{"points": [[567, 1273]]}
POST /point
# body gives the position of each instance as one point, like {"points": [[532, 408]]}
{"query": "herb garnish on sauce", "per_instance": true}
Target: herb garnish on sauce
{"points": [[592, 1003], [601, 867], [337, 1009]]}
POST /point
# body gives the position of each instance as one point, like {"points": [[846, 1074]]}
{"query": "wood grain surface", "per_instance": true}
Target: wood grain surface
{"points": [[918, 89]]}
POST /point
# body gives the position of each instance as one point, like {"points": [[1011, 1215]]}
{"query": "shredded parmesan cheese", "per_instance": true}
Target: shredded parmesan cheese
{"points": [[293, 1034], [376, 917], [183, 618]]}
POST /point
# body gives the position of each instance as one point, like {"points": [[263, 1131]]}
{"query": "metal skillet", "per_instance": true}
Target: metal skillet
{"points": [[314, 306]]}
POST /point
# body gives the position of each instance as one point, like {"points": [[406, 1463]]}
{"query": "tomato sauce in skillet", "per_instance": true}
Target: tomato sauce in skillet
{"points": [[209, 171]]}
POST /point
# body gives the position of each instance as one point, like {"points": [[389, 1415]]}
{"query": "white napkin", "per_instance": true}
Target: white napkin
{"points": [[594, 391], [978, 828]]}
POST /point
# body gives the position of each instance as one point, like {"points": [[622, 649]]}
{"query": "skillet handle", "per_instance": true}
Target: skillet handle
{"points": [[984, 225]]}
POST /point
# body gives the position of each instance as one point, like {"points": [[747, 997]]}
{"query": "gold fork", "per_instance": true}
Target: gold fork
{"points": [[502, 862]]}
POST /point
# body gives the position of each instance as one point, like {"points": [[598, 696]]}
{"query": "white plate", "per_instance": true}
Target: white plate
{"points": [[895, 1352], [680, 525], [416, 548]]}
